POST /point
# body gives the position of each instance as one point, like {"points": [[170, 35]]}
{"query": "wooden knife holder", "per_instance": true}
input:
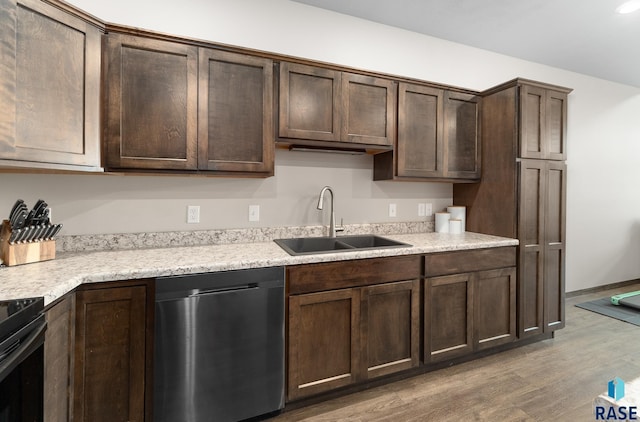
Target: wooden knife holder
{"points": [[24, 253]]}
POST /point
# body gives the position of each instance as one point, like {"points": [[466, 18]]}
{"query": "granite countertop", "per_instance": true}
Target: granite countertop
{"points": [[53, 279]]}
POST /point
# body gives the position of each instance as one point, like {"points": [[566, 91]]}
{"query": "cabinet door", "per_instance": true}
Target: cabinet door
{"points": [[494, 307], [556, 125], [448, 316], [58, 354], [324, 341], [109, 359], [50, 87], [235, 124], [369, 107], [390, 322], [554, 245], [531, 249], [151, 108], [461, 136], [419, 151], [543, 121], [542, 230], [309, 103]]}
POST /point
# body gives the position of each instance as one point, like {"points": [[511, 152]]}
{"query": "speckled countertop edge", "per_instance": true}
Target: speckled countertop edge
{"points": [[53, 279]]}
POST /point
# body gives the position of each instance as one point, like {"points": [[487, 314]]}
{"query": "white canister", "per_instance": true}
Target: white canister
{"points": [[459, 213], [442, 222], [455, 226]]}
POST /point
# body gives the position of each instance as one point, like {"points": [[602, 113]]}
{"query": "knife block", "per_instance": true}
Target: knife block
{"points": [[24, 253]]}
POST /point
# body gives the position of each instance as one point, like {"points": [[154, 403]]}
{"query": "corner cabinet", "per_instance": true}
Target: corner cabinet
{"points": [[523, 193], [350, 322], [49, 87], [173, 106], [438, 136], [321, 106], [469, 302]]}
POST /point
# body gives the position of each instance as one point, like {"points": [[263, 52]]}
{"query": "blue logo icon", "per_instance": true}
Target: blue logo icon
{"points": [[616, 388]]}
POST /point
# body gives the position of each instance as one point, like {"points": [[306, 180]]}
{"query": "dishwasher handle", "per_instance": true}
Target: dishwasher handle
{"points": [[224, 290]]}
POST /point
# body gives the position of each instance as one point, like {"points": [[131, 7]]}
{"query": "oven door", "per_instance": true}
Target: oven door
{"points": [[21, 373]]}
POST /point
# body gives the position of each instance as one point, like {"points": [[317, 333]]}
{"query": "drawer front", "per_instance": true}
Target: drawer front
{"points": [[469, 261], [362, 272]]}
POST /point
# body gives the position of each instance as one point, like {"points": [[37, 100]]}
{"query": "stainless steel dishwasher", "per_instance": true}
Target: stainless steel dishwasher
{"points": [[219, 346]]}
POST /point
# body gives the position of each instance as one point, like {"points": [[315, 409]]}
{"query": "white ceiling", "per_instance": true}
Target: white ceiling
{"points": [[584, 36]]}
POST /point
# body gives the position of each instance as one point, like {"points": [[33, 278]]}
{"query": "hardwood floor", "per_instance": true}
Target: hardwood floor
{"points": [[552, 380]]}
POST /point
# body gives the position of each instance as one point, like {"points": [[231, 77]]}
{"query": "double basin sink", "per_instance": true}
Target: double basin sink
{"points": [[315, 245]]}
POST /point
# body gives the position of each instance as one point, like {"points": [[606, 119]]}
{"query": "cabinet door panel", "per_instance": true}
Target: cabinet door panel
{"points": [[462, 135], [324, 341], [53, 110], [448, 314], [58, 354], [369, 105], [390, 315], [495, 307], [235, 112], [309, 103], [556, 122], [151, 104], [109, 365], [555, 245], [531, 248], [532, 122], [420, 130]]}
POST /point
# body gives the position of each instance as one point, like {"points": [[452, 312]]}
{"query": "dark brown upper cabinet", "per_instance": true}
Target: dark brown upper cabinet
{"points": [[173, 106], [235, 121], [151, 104], [544, 123], [327, 107], [438, 136], [49, 87]]}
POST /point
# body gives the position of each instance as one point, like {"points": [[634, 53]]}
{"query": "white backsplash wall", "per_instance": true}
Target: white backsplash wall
{"points": [[91, 204]]}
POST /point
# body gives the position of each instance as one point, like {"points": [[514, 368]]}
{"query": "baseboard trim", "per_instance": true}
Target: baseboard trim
{"points": [[603, 287]]}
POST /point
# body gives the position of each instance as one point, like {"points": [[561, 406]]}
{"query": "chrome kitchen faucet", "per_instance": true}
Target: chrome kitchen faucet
{"points": [[332, 222]]}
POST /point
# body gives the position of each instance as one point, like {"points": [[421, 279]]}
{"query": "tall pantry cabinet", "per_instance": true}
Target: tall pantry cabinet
{"points": [[523, 193]]}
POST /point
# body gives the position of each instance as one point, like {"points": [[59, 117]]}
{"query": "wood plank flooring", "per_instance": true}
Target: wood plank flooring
{"points": [[552, 380]]}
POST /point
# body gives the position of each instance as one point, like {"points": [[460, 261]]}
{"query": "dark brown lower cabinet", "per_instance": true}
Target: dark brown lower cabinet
{"points": [[324, 341], [57, 361], [339, 337], [110, 354], [469, 302], [390, 327], [465, 313]]}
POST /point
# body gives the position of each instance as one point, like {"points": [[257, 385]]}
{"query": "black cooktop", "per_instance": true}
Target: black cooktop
{"points": [[15, 314]]}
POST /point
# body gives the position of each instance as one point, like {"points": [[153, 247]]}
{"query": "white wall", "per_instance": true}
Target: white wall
{"points": [[603, 128]]}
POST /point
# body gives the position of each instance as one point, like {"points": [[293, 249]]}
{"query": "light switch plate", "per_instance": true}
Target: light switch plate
{"points": [[392, 210], [421, 210], [428, 209]]}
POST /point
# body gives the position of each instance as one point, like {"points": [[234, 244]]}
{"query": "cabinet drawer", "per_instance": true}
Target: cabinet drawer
{"points": [[338, 275], [469, 261]]}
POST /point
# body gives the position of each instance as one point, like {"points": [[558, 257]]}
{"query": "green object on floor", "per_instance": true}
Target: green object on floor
{"points": [[617, 298]]}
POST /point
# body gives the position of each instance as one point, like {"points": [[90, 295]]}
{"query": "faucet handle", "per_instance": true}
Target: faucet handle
{"points": [[340, 228]]}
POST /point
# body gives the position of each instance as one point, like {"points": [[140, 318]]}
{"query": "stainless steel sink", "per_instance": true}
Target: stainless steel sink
{"points": [[315, 245]]}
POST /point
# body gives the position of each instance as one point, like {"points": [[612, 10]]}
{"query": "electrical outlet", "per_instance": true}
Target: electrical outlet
{"points": [[254, 212], [392, 210], [428, 209], [421, 210], [193, 214]]}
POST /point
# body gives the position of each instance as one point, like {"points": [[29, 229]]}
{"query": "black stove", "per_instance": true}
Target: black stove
{"points": [[15, 314], [22, 329]]}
